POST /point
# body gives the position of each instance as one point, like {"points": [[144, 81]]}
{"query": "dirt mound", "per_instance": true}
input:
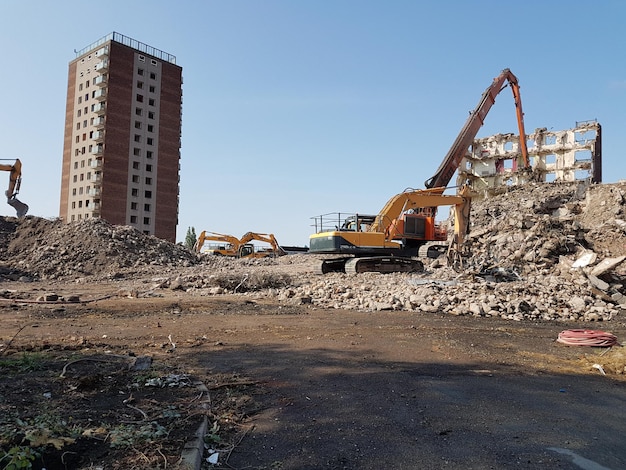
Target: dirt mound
{"points": [[39, 248]]}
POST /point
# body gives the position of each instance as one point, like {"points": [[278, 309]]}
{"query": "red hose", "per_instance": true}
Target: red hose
{"points": [[587, 338]]}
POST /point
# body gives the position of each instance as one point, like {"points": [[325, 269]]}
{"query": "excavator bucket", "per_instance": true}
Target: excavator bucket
{"points": [[19, 206]]}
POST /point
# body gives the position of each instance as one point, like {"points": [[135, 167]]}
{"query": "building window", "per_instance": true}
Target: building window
{"points": [[87, 83], [133, 206], [134, 192], [146, 207], [149, 154], [86, 110], [73, 204], [80, 87], [80, 216], [148, 181], [88, 177], [133, 219], [87, 97], [146, 220], [153, 75], [73, 218], [74, 192], [75, 178], [82, 162], [80, 99], [140, 85], [80, 191], [87, 200], [77, 139], [140, 72], [87, 215], [85, 123], [135, 165], [80, 204], [82, 177], [152, 88], [137, 124], [138, 111], [137, 138], [135, 178], [150, 114], [153, 62], [142, 58], [84, 138], [150, 128], [77, 125], [76, 165], [148, 167], [151, 101], [139, 98], [136, 152], [148, 194], [149, 140], [79, 113]]}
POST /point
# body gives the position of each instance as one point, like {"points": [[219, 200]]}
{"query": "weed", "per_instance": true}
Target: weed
{"points": [[212, 436], [18, 457], [128, 435], [28, 362]]}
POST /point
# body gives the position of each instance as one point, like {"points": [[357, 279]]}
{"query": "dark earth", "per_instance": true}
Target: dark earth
{"points": [[297, 387]]}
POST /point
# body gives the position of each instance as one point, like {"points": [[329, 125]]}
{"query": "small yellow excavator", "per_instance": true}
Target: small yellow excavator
{"points": [[15, 180], [226, 245], [229, 245]]}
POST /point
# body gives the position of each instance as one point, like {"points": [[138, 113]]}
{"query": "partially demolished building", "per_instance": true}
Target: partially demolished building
{"points": [[495, 162]]}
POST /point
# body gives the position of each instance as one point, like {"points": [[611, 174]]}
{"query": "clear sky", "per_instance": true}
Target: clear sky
{"points": [[295, 108]]}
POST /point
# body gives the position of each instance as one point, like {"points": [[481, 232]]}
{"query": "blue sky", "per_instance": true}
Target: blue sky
{"points": [[297, 108]]}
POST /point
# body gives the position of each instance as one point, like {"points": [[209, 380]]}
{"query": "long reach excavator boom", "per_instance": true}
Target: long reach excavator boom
{"points": [[474, 122]]}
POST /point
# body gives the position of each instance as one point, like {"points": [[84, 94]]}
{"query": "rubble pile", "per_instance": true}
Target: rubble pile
{"points": [[42, 249], [539, 252]]}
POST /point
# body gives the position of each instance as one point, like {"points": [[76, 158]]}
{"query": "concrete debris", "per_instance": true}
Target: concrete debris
{"points": [[540, 251]]}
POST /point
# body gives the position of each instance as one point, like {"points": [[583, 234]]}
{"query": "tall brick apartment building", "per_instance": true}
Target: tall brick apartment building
{"points": [[121, 149]]}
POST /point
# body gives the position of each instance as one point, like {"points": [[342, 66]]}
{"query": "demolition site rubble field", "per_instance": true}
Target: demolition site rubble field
{"points": [[541, 252], [308, 371]]}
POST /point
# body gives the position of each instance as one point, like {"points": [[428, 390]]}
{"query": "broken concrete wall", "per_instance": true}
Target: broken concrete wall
{"points": [[496, 162]]}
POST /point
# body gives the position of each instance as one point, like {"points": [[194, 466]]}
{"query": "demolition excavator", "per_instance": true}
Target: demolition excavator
{"points": [[15, 180], [391, 241]]}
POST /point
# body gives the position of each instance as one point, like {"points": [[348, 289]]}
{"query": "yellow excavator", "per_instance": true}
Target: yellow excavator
{"points": [[226, 245], [229, 245], [391, 240], [15, 180]]}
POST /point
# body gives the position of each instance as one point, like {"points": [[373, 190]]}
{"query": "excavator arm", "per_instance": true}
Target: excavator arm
{"points": [[15, 180], [263, 237], [452, 160], [218, 237], [413, 199]]}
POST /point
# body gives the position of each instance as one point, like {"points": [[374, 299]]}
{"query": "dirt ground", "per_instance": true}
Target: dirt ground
{"points": [[298, 387]]}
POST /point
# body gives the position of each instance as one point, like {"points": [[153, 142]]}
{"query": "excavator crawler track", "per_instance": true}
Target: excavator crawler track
{"points": [[383, 264]]}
